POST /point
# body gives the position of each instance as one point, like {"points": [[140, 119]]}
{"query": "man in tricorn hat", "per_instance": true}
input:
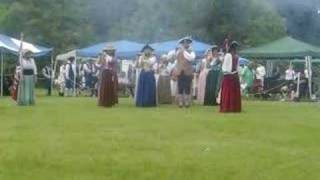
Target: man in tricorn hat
{"points": [[185, 57], [108, 88], [231, 92]]}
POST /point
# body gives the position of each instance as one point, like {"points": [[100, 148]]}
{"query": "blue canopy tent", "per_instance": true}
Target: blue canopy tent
{"points": [[11, 45], [125, 49], [164, 47]]}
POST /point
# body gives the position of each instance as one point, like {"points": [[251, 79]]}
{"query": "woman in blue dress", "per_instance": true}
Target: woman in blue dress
{"points": [[146, 90]]}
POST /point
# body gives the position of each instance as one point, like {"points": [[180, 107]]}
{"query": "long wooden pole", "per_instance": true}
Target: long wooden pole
{"points": [[2, 72]]}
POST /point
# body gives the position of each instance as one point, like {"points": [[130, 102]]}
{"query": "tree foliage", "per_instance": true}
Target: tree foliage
{"points": [[67, 24]]}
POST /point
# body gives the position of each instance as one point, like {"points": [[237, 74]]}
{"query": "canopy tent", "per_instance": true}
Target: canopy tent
{"points": [[65, 56], [125, 49], [11, 46], [284, 48], [164, 47]]}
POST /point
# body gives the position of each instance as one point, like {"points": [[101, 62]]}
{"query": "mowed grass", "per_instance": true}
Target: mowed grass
{"points": [[73, 139]]}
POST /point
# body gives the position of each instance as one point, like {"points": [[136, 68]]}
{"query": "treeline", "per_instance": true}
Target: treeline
{"points": [[67, 24]]}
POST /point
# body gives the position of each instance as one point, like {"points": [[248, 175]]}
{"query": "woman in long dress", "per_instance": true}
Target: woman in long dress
{"points": [[214, 79], [172, 61], [28, 75], [146, 90], [230, 91], [108, 78], [205, 67], [164, 87]]}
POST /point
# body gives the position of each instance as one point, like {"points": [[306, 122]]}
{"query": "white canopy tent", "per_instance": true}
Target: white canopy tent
{"points": [[12, 46]]}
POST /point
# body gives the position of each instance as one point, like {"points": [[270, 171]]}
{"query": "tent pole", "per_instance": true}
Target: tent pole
{"points": [[75, 78], [52, 72], [310, 76], [2, 73]]}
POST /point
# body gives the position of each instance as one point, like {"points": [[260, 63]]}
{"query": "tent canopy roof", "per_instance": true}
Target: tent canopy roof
{"points": [[167, 46], [124, 49], [284, 48], [12, 45]]}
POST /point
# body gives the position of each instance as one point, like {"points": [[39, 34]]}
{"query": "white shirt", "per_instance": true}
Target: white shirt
{"points": [[171, 66], [290, 75], [260, 72], [73, 67], [306, 73], [227, 65], [87, 69], [29, 64], [172, 55]]}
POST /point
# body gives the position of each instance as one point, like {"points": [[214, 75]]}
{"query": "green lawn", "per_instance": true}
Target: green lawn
{"points": [[73, 139]]}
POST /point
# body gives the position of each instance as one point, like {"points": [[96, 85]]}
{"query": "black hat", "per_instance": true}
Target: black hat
{"points": [[71, 58], [214, 47], [187, 39], [234, 44], [147, 46]]}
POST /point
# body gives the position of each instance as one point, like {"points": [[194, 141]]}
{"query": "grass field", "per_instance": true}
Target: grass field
{"points": [[73, 139]]}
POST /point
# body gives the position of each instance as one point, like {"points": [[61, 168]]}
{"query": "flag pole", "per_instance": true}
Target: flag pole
{"points": [[2, 72], [21, 48]]}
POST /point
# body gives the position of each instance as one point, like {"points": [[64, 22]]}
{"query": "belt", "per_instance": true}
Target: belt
{"points": [[28, 72]]}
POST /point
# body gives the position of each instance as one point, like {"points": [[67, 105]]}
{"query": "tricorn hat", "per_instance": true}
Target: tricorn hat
{"points": [[234, 44], [214, 47], [109, 48], [146, 47], [71, 58], [187, 39], [27, 51]]}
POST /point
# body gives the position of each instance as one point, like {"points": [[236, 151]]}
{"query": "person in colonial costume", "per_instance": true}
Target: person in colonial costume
{"points": [[230, 91], [185, 57], [61, 81], [259, 81], [248, 79], [146, 88], [131, 80], [204, 69], [28, 77], [214, 78], [90, 77], [47, 74], [70, 77], [108, 89], [172, 58], [164, 87], [137, 71]]}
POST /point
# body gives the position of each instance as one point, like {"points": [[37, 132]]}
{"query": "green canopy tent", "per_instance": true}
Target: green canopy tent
{"points": [[284, 48]]}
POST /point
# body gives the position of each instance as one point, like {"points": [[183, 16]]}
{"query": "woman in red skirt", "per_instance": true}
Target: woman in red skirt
{"points": [[108, 78], [230, 92]]}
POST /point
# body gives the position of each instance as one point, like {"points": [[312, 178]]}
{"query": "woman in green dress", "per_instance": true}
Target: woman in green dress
{"points": [[28, 74], [214, 77]]}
